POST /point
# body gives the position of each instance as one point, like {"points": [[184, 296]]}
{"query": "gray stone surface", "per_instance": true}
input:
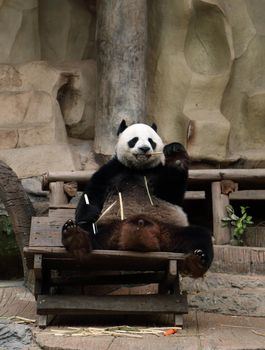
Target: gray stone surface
{"points": [[14, 336], [201, 330], [227, 294]]}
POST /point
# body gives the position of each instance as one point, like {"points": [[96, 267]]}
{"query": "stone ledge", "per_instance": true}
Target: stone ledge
{"points": [[227, 294], [243, 260]]}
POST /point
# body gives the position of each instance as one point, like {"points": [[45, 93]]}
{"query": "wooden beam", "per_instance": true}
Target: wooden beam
{"points": [[195, 195], [219, 203], [114, 304], [195, 175], [103, 278], [253, 175], [53, 176], [108, 253], [57, 195], [38, 266], [248, 195]]}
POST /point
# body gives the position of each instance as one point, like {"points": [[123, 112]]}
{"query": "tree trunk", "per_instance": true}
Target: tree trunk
{"points": [[18, 207], [121, 45]]}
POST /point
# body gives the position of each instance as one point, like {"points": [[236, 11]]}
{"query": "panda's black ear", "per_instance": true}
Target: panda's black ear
{"points": [[122, 127], [154, 126]]}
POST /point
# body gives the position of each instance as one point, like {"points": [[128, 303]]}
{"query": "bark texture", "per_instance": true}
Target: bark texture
{"points": [[18, 206], [121, 45]]}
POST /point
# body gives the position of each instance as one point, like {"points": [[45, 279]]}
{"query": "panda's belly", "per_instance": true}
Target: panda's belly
{"points": [[130, 198]]}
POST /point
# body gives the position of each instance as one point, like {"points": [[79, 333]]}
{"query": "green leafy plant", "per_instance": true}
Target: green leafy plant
{"points": [[239, 223]]}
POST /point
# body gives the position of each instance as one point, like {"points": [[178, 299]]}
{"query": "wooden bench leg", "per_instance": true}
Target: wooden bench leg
{"points": [[170, 285], [37, 267], [45, 320]]}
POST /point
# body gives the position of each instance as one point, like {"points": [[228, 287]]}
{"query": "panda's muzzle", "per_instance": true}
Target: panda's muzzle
{"points": [[142, 156], [144, 149], [143, 153]]}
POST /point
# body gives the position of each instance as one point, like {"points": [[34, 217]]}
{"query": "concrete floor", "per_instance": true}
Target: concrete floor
{"points": [[204, 331]]}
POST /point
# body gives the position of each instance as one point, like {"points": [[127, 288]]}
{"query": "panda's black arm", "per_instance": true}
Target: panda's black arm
{"points": [[96, 192], [171, 180]]}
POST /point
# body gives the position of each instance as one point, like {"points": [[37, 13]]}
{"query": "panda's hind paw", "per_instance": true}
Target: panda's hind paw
{"points": [[76, 240], [200, 253], [70, 224]]}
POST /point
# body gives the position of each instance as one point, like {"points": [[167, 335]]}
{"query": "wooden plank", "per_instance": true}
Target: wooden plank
{"points": [[248, 195], [109, 253], [219, 203], [122, 304], [103, 278], [195, 175], [46, 232], [252, 175], [62, 213], [195, 195], [58, 258], [62, 206]]}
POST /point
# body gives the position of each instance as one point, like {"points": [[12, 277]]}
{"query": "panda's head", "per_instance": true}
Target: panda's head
{"points": [[139, 146]]}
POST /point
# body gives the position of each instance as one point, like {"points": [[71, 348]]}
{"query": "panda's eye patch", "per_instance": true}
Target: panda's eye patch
{"points": [[153, 143], [132, 142]]}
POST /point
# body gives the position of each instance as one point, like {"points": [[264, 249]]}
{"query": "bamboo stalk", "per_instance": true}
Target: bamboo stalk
{"points": [[121, 206], [147, 190]]}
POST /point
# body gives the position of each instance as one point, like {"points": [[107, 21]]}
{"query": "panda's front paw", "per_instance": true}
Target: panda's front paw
{"points": [[176, 155], [76, 240]]}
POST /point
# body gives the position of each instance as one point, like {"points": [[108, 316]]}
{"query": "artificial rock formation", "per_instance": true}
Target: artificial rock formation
{"points": [[39, 104], [204, 78]]}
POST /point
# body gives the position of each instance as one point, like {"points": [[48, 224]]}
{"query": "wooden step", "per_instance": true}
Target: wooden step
{"points": [[114, 304]]}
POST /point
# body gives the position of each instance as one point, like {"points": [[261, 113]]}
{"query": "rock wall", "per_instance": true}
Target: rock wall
{"points": [[205, 80], [206, 77]]}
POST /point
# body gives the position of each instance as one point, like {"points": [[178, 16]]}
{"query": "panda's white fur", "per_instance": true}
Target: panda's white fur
{"points": [[143, 152]]}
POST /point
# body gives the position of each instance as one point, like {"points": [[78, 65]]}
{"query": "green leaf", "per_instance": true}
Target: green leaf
{"points": [[229, 209], [244, 216], [234, 217], [226, 219]]}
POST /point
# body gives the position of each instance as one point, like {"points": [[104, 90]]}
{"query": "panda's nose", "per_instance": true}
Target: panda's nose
{"points": [[144, 149]]}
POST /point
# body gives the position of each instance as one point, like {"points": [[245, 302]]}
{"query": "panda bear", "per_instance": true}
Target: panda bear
{"points": [[134, 202]]}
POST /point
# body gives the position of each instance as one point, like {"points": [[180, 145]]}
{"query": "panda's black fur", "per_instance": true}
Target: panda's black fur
{"points": [[148, 180]]}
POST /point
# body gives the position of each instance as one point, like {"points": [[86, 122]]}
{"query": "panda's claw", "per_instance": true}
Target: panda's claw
{"points": [[200, 254], [76, 240], [70, 224]]}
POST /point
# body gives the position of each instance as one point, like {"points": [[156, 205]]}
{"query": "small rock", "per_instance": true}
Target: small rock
{"points": [[14, 336]]}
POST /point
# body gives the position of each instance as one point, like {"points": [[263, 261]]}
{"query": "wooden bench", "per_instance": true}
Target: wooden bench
{"points": [[56, 271]]}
